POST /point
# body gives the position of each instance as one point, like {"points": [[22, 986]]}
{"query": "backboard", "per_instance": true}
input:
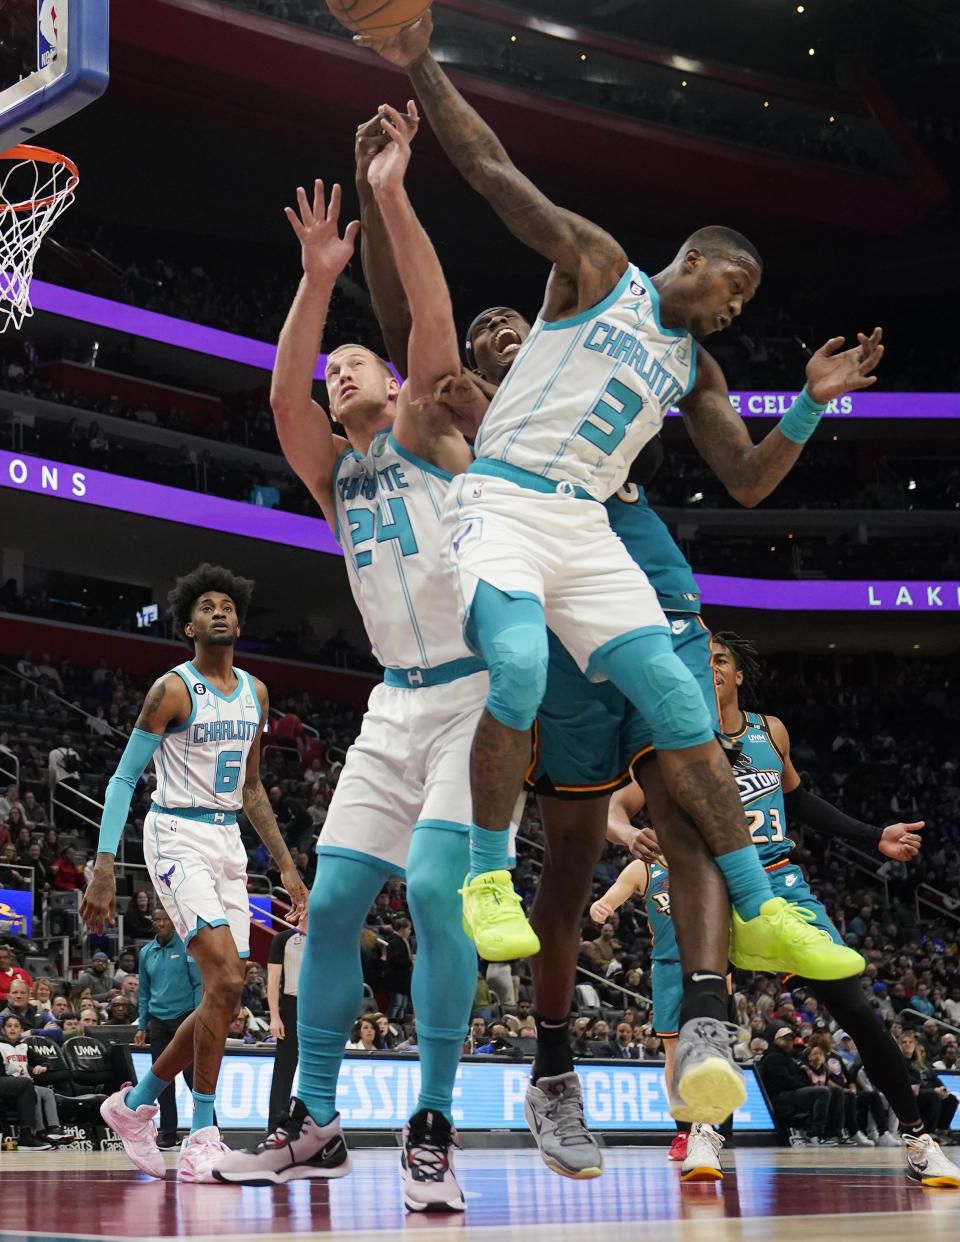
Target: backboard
{"points": [[54, 59]]}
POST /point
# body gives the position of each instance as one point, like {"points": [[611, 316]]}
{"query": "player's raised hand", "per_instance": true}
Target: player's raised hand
{"points": [[403, 48], [900, 841], [387, 168], [369, 139], [323, 252], [831, 373], [99, 904]]}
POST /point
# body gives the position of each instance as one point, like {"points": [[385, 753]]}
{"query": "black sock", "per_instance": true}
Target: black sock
{"points": [[704, 996], [914, 1130], [553, 1048]]}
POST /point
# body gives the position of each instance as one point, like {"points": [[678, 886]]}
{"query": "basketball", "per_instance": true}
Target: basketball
{"points": [[377, 17]]}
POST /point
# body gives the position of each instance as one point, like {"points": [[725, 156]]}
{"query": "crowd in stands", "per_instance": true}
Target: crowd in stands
{"points": [[879, 743]]}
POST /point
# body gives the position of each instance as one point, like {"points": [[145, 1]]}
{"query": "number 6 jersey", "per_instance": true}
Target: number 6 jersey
{"points": [[758, 773], [388, 506], [202, 762]]}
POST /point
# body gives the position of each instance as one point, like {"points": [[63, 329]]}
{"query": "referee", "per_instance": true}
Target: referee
{"points": [[169, 993], [283, 974]]}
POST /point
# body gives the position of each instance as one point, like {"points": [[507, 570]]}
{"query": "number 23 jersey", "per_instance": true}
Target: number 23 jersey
{"points": [[758, 773], [388, 523]]}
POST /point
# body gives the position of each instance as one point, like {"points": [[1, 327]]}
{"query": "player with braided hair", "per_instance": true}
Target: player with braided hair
{"points": [[770, 790]]}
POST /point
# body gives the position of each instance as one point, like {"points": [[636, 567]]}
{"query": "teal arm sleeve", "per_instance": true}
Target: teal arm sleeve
{"points": [[802, 419], [116, 805], [144, 993]]}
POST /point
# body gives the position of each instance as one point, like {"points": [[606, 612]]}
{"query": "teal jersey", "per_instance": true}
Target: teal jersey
{"points": [[659, 919], [759, 775], [649, 542]]}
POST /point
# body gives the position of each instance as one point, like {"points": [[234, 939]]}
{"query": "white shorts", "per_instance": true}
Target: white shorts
{"points": [[410, 764], [199, 870], [557, 548]]}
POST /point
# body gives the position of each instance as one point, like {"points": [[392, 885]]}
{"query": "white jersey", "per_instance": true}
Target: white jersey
{"points": [[584, 395], [388, 523], [202, 762]]}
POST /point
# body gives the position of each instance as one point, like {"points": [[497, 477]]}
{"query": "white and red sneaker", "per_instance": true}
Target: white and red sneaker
{"points": [[136, 1129], [678, 1148], [199, 1152]]}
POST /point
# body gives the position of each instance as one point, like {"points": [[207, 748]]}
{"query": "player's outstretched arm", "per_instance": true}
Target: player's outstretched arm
{"points": [[634, 878], [581, 250], [167, 702], [257, 808], [898, 841], [303, 427], [376, 254], [624, 804], [433, 351], [750, 472]]}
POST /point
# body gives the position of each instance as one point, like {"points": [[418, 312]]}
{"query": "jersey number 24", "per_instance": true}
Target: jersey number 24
{"points": [[364, 526]]}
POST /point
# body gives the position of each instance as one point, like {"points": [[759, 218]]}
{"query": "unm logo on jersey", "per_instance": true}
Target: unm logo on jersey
{"points": [[752, 782]]}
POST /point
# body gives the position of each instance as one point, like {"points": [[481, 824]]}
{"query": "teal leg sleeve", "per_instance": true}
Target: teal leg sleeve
{"points": [[330, 991], [510, 632], [644, 667], [445, 972]]}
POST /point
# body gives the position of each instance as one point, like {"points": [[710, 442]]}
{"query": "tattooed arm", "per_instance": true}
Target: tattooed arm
{"points": [[257, 808], [589, 262], [748, 471]]}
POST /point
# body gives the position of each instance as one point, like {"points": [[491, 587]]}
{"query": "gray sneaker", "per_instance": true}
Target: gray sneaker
{"points": [[553, 1108], [707, 1083], [298, 1148]]}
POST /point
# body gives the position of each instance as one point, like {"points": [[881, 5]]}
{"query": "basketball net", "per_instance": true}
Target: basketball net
{"points": [[36, 185]]}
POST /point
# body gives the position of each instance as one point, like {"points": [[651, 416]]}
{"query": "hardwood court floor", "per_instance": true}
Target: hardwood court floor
{"points": [[767, 1194]]}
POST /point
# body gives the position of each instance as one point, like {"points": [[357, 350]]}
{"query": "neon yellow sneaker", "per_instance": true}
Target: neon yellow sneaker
{"points": [[780, 939], [494, 920]]}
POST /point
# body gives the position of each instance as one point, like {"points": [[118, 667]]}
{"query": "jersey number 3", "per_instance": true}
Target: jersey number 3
{"points": [[364, 526], [607, 423], [757, 821]]}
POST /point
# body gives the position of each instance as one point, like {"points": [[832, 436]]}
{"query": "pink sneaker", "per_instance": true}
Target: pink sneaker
{"points": [[199, 1152], [136, 1130]]}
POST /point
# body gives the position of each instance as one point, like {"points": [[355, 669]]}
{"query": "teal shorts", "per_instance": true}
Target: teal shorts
{"points": [[789, 882], [667, 987], [588, 735]]}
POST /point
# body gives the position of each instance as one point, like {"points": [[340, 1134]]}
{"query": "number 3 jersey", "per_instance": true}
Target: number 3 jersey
{"points": [[388, 506], [202, 762], [758, 773], [584, 395]]}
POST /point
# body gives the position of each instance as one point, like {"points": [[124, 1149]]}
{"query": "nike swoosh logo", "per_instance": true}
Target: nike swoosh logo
{"points": [[331, 1149], [698, 978]]}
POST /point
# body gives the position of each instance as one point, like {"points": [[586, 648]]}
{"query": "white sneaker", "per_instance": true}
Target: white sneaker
{"points": [[136, 1129], [888, 1139], [199, 1152], [703, 1155], [426, 1164], [927, 1164], [861, 1140]]}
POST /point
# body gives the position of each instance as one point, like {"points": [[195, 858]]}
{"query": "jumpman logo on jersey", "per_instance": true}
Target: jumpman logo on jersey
{"points": [[641, 311], [166, 876]]}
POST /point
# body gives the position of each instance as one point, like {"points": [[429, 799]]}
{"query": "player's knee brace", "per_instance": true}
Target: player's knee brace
{"points": [[517, 661], [678, 713]]}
